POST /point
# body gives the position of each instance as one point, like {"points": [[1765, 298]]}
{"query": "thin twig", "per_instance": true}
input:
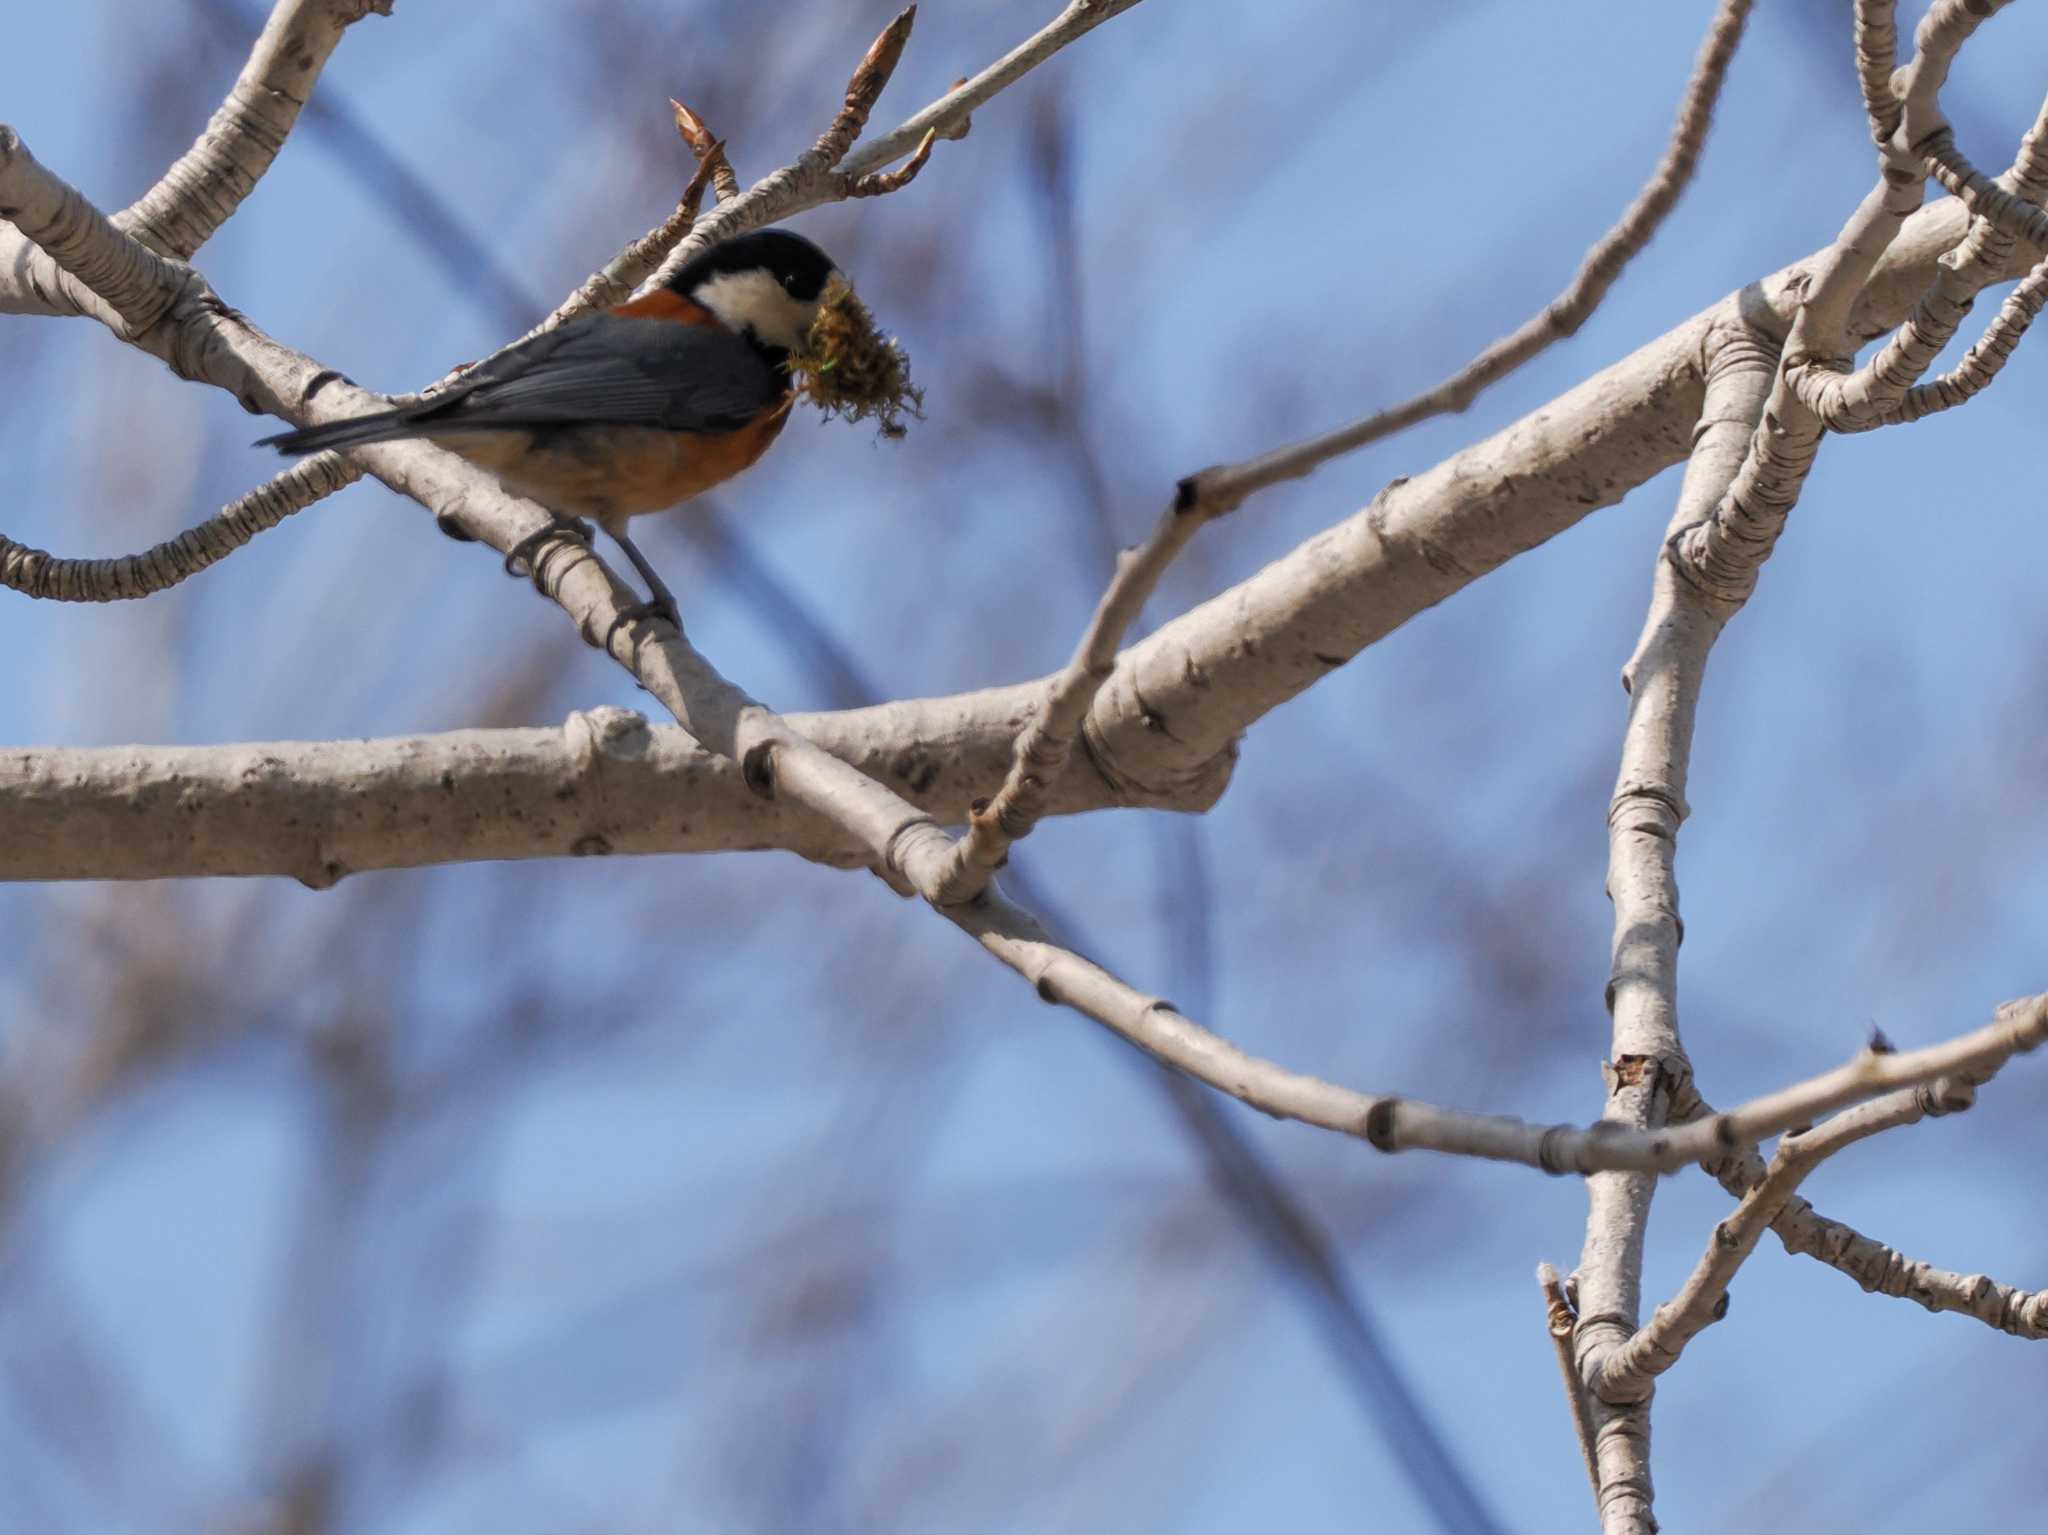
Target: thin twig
{"points": [[1560, 318], [1559, 1321], [870, 79], [1044, 746], [1702, 1300], [1873, 1265], [1877, 55], [810, 181]]}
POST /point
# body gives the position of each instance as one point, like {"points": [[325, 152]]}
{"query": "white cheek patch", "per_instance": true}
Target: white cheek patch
{"points": [[756, 301]]}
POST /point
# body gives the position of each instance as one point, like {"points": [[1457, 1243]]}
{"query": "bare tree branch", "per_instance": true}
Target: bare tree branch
{"points": [[604, 782], [1229, 484], [1560, 1321], [1647, 1060], [1627, 1373], [829, 173], [36, 573], [204, 187], [63, 257], [1043, 747], [1877, 1268]]}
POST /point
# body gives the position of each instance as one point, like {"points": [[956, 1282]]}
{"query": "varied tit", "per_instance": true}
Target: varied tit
{"points": [[633, 409]]}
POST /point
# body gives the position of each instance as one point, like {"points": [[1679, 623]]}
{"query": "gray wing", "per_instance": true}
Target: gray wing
{"points": [[616, 368]]}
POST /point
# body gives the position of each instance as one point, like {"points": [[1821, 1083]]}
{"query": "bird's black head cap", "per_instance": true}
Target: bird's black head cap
{"points": [[795, 263]]}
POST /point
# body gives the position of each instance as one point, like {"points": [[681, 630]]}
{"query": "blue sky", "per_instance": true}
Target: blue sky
{"points": [[796, 1212]]}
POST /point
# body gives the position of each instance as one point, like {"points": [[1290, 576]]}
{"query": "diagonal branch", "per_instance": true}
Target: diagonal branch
{"points": [[1561, 1321], [1558, 319], [948, 115], [1802, 1229], [1040, 756], [206, 184], [64, 257], [829, 173], [1044, 748], [1703, 1299]]}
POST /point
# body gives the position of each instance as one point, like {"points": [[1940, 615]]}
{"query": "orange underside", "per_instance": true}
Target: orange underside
{"points": [[611, 473]]}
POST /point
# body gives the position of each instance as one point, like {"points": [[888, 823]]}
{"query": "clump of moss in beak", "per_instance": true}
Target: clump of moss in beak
{"points": [[848, 368]]}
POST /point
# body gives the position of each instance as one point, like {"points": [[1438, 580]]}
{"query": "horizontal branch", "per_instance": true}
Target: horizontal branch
{"points": [[603, 782]]}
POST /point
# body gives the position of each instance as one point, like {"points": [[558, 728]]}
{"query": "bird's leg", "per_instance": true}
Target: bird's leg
{"points": [[660, 604], [521, 554]]}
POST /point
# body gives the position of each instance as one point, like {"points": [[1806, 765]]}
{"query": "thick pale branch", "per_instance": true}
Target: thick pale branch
{"points": [[603, 783], [1185, 693], [207, 183], [63, 256]]}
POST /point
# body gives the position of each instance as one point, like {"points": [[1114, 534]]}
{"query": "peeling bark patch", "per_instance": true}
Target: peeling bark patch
{"points": [[916, 770], [1634, 1070]]}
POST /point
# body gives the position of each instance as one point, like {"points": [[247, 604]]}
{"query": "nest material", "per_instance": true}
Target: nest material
{"points": [[850, 369]]}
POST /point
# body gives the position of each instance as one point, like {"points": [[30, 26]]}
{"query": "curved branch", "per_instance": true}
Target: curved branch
{"points": [[207, 183], [64, 257], [35, 573]]}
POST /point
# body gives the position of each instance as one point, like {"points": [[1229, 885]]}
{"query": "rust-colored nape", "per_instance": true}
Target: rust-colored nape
{"points": [[666, 304]]}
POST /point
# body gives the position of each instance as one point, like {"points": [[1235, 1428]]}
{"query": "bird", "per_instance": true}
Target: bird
{"points": [[624, 411]]}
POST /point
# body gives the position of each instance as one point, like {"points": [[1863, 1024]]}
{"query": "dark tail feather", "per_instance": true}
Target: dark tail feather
{"points": [[384, 426]]}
